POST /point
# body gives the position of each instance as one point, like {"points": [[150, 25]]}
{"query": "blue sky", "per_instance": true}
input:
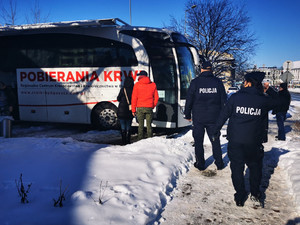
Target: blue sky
{"points": [[276, 23]]}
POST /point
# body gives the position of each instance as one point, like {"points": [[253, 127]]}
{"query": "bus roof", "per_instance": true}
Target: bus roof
{"points": [[78, 23], [99, 23], [113, 22]]}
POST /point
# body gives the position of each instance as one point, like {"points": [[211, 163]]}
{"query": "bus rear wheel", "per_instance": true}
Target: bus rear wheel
{"points": [[104, 116]]}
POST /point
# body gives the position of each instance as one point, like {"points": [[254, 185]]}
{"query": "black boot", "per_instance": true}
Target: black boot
{"points": [[128, 137], [123, 133]]}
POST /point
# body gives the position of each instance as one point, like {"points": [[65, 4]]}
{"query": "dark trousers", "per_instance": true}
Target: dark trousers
{"points": [[198, 134], [241, 155], [143, 113], [280, 118]]}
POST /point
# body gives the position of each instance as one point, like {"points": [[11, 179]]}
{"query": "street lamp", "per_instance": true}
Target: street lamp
{"points": [[192, 7]]}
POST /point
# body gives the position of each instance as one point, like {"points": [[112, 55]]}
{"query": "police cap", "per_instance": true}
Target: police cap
{"points": [[206, 65], [258, 76]]}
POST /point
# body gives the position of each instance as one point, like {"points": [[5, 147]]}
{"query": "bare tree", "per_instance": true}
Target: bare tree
{"points": [[8, 13], [220, 31], [36, 14]]}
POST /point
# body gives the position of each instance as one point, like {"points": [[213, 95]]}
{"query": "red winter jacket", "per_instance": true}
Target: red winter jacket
{"points": [[144, 94]]}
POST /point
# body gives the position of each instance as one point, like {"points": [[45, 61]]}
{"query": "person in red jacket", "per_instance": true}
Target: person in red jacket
{"points": [[143, 100]]}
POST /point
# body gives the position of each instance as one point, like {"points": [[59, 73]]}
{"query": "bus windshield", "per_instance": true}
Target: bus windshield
{"points": [[187, 69]]}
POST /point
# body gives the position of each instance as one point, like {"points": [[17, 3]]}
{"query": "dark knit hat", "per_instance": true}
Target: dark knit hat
{"points": [[206, 65], [258, 76], [142, 73], [283, 85]]}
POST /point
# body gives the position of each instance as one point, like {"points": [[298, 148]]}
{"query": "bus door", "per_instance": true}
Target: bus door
{"points": [[186, 66]]}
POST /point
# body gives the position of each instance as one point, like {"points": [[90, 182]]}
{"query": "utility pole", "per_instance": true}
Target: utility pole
{"points": [[192, 7], [130, 11]]}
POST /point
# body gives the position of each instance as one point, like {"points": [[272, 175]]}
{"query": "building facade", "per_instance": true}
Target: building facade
{"points": [[273, 73], [295, 70]]}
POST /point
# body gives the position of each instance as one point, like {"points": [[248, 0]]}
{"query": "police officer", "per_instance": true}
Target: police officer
{"points": [[205, 99], [247, 110]]}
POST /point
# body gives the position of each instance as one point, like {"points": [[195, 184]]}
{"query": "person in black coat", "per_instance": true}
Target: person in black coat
{"points": [[124, 112], [280, 111], [205, 98], [7, 100], [247, 110]]}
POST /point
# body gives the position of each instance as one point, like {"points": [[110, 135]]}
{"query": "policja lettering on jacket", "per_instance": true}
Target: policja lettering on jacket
{"points": [[208, 90], [248, 111]]}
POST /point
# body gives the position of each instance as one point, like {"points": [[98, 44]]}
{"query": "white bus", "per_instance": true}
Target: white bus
{"points": [[71, 72]]}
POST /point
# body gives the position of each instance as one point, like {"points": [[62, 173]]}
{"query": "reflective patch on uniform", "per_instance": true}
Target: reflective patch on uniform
{"points": [[248, 111], [207, 90]]}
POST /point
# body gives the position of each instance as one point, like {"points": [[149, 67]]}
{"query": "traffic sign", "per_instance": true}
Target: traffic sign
{"points": [[286, 77]]}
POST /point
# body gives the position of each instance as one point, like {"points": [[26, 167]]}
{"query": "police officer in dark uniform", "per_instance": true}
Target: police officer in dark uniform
{"points": [[247, 110], [205, 99]]}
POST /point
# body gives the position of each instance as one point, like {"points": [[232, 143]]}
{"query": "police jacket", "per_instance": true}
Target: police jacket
{"points": [[205, 98], [123, 111], [247, 110]]}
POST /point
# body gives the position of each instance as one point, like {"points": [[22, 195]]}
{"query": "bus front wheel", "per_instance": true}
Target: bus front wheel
{"points": [[104, 116]]}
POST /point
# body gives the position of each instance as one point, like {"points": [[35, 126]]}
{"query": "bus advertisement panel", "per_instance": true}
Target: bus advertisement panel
{"points": [[61, 94]]}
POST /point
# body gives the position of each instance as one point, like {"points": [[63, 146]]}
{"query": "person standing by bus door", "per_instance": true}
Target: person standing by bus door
{"points": [[205, 99], [124, 109], [247, 110], [144, 99]]}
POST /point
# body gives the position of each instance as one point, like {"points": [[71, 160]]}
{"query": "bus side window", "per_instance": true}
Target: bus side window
{"points": [[68, 50]]}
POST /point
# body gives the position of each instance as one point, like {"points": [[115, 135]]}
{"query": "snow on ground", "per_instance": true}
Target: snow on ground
{"points": [[137, 182], [133, 181]]}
